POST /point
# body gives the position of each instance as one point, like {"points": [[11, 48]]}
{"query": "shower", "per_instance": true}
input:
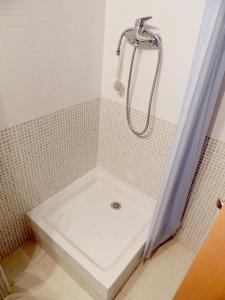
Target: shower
{"points": [[96, 170], [139, 36]]}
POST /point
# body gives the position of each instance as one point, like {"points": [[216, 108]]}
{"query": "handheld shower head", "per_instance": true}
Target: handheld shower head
{"points": [[117, 83]]}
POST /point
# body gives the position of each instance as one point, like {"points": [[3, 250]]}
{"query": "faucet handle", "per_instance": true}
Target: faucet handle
{"points": [[140, 23]]}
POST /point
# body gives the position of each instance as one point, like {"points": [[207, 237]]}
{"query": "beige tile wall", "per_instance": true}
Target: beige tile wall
{"points": [[207, 187], [141, 163], [40, 157]]}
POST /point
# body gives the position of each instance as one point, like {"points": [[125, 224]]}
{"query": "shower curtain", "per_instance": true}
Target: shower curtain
{"points": [[206, 76]]}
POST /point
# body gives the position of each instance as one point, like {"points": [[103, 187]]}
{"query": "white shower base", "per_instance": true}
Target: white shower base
{"points": [[98, 245]]}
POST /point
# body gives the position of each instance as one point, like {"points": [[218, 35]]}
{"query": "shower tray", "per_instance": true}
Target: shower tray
{"points": [[95, 228]]}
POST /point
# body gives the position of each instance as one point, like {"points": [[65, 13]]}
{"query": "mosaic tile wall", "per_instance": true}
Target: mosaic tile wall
{"points": [[207, 187], [40, 157], [37, 159], [141, 162]]}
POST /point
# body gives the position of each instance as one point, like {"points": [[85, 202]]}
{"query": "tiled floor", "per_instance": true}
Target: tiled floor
{"points": [[33, 275]]}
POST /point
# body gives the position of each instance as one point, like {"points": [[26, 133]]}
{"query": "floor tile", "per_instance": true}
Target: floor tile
{"points": [[46, 280], [159, 278], [121, 296], [56, 276], [20, 296], [36, 276], [33, 251], [21, 260], [30, 286], [182, 252], [15, 265]]}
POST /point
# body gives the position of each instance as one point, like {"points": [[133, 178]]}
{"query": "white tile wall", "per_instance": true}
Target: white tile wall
{"points": [[50, 56], [178, 23]]}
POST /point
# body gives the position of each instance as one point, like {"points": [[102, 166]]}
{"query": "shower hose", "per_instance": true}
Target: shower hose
{"points": [[128, 109]]}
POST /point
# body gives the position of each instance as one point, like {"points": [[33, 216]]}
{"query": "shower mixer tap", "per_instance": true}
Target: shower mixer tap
{"points": [[140, 34], [140, 26]]}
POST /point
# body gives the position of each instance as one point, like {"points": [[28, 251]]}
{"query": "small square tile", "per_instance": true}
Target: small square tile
{"points": [[39, 158]]}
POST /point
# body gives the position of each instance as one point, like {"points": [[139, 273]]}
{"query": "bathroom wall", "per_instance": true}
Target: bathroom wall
{"points": [[209, 182], [217, 130], [53, 126], [40, 157], [178, 23], [50, 79], [50, 56], [139, 161]]}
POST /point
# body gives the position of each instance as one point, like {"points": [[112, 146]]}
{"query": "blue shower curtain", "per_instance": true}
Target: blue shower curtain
{"points": [[199, 103]]}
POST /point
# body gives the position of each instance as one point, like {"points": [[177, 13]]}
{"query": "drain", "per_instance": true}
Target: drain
{"points": [[116, 205]]}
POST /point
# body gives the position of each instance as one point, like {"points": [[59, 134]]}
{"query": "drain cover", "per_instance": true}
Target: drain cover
{"points": [[116, 205]]}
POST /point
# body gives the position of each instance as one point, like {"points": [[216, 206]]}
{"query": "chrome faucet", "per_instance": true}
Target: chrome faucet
{"points": [[140, 26], [140, 34]]}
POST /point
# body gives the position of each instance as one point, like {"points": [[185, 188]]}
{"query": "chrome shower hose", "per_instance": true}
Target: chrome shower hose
{"points": [[128, 109]]}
